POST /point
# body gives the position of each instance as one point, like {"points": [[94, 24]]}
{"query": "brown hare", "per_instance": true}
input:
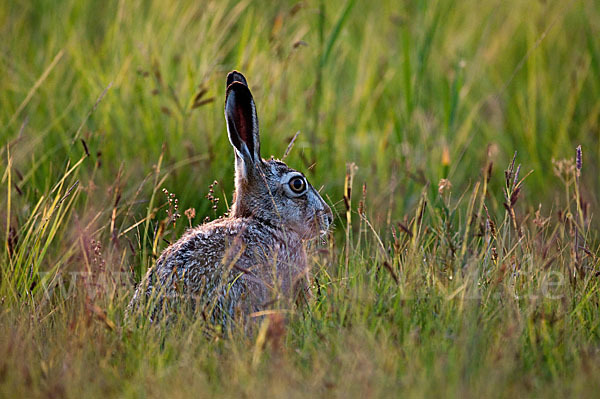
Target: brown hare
{"points": [[249, 260]]}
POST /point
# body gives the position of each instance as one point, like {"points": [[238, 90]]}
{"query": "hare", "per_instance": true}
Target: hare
{"points": [[245, 262]]}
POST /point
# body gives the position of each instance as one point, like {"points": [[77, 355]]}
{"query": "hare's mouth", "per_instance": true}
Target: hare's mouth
{"points": [[317, 227], [324, 223]]}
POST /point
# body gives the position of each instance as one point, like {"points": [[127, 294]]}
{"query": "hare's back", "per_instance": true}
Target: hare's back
{"points": [[198, 262], [201, 250]]}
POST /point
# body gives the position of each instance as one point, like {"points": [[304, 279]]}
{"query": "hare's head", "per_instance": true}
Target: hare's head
{"points": [[268, 190]]}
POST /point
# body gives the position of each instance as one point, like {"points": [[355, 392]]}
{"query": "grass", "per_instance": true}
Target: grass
{"points": [[452, 270]]}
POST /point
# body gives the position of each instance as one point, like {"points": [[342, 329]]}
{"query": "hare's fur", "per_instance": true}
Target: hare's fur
{"points": [[248, 261]]}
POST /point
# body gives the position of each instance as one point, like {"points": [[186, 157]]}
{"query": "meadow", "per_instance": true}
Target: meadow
{"points": [[458, 144]]}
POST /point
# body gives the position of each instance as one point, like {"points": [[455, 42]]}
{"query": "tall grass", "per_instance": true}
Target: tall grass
{"points": [[464, 260]]}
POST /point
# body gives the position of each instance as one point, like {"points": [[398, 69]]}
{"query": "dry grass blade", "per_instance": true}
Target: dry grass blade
{"points": [[389, 268], [350, 170], [290, 145]]}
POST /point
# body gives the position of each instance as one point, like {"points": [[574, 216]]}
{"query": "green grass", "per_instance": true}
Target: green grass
{"points": [[419, 292]]}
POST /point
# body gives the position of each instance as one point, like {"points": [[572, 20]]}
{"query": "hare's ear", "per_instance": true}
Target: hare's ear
{"points": [[242, 122], [235, 76]]}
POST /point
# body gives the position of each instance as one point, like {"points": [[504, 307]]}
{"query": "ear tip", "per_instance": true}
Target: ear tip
{"points": [[235, 76], [240, 90]]}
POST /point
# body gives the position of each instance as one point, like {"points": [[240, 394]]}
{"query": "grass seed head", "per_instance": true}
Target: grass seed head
{"points": [[444, 185]]}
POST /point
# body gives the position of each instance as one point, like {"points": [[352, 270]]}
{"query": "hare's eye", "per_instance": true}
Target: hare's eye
{"points": [[297, 184]]}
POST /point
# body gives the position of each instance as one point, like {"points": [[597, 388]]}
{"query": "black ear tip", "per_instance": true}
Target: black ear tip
{"points": [[241, 91], [235, 76]]}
